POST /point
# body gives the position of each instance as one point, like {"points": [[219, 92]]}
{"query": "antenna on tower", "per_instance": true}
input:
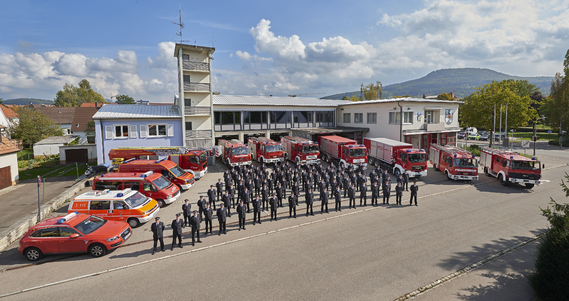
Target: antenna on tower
{"points": [[180, 24]]}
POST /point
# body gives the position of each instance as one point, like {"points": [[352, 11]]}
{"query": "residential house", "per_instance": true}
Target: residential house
{"points": [[62, 116], [8, 162], [136, 126], [82, 116]]}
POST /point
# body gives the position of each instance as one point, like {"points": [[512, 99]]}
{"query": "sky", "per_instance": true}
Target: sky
{"points": [[307, 48]]}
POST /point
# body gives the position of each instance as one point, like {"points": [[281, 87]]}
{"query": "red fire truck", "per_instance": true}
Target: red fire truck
{"points": [[398, 157], [510, 167], [343, 151], [190, 160], [265, 150], [300, 150], [455, 162], [234, 153]]}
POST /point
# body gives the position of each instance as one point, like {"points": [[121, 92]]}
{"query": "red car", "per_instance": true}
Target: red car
{"points": [[73, 233]]}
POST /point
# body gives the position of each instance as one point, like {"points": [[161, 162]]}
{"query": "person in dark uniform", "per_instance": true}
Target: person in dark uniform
{"points": [[324, 200], [274, 204], [186, 210], [405, 182], [201, 205], [195, 221], [398, 193], [219, 189], [211, 194], [363, 194], [338, 197], [226, 201], [242, 214], [296, 190], [292, 203], [386, 187], [374, 193], [157, 229], [232, 195], [414, 190], [208, 214], [265, 197], [257, 206], [222, 218], [177, 231], [309, 201], [280, 194], [247, 199], [352, 195]]}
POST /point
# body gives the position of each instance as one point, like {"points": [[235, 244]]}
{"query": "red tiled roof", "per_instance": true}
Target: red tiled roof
{"points": [[82, 116], [9, 113], [59, 115], [7, 146], [92, 104]]}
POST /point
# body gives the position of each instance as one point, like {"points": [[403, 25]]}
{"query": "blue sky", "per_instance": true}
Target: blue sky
{"points": [[271, 47]]}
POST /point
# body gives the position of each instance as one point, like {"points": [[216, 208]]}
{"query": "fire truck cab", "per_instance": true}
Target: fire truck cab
{"points": [[300, 150], [510, 167], [265, 150], [455, 162], [234, 153]]}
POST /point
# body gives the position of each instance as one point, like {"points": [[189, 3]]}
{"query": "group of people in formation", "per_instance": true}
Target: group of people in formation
{"points": [[243, 187]]}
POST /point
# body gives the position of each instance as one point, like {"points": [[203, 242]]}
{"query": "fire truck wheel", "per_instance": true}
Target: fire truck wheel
{"points": [[160, 202], [397, 172], [502, 181], [529, 185], [261, 160], [371, 161]]}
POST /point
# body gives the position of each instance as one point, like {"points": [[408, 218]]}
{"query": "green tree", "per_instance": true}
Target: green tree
{"points": [[478, 108], [549, 278], [351, 98], [125, 100], [372, 91], [34, 126], [558, 102], [71, 96], [444, 96]]}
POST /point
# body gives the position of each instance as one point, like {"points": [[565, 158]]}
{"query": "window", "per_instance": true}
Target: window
{"points": [[347, 118], [121, 131], [187, 102], [395, 117], [186, 79], [371, 117], [156, 130], [49, 232], [66, 132], [119, 205], [185, 57], [100, 205], [188, 126], [430, 117], [358, 117], [66, 231]]}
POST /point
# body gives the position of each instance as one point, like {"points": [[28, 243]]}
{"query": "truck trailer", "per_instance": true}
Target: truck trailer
{"points": [[396, 156], [344, 151]]}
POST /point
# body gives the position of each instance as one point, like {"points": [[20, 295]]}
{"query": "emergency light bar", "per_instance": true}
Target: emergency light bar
{"points": [[66, 218]]}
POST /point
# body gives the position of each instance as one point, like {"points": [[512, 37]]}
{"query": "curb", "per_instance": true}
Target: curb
{"points": [[20, 227]]}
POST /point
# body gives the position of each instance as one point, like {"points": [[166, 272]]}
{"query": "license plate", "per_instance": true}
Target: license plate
{"points": [[128, 236]]}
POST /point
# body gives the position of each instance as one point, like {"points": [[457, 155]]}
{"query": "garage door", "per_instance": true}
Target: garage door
{"points": [[5, 177], [76, 155]]}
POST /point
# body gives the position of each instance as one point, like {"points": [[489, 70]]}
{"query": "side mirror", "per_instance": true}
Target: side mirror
{"points": [[74, 235]]}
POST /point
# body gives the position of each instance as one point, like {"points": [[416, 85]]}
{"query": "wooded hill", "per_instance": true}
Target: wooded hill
{"points": [[461, 81]]}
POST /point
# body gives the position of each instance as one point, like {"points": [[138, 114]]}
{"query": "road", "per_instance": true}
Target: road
{"points": [[368, 253]]}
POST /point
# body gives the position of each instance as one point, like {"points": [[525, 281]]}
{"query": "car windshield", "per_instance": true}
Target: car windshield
{"points": [[242, 150], [203, 158], [358, 152], [417, 158], [90, 224], [527, 165], [136, 200], [177, 171], [463, 163], [161, 183], [307, 149], [273, 148]]}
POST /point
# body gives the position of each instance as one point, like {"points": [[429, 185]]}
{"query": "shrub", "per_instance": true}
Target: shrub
{"points": [[550, 278]]}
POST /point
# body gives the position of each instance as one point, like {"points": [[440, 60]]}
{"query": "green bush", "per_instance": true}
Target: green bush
{"points": [[550, 277]]}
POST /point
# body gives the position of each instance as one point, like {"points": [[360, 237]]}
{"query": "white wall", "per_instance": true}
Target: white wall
{"points": [[46, 149], [12, 161]]}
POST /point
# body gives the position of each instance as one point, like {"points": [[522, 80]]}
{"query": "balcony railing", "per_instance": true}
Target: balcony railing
{"points": [[195, 66], [198, 134], [196, 87], [197, 111]]}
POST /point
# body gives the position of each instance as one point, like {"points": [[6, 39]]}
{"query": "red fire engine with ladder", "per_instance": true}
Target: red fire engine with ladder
{"points": [[190, 160], [455, 162], [300, 150], [510, 167], [265, 150]]}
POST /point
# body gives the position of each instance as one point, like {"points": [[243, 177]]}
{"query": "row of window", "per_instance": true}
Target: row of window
{"points": [[124, 131], [256, 120], [394, 117]]}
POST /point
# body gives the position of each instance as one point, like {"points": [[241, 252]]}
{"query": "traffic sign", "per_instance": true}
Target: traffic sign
{"points": [[549, 131]]}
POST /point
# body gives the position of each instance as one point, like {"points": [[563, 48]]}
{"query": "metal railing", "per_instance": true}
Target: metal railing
{"points": [[197, 111], [195, 66], [196, 87], [198, 134]]}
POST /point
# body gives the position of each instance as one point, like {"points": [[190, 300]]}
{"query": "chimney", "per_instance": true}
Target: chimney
{"points": [[96, 104], [452, 95]]}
